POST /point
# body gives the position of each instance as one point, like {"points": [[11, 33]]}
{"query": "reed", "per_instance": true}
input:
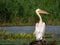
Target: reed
{"points": [[22, 12]]}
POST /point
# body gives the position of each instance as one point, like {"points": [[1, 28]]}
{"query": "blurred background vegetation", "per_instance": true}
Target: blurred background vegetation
{"points": [[22, 12]]}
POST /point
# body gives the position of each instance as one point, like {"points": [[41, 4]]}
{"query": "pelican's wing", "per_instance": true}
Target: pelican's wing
{"points": [[39, 28], [42, 27], [36, 28]]}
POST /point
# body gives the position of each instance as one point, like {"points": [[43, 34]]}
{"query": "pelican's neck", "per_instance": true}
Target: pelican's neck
{"points": [[40, 17]]}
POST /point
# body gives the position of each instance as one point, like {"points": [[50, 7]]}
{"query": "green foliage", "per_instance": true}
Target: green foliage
{"points": [[6, 35], [48, 35], [19, 12]]}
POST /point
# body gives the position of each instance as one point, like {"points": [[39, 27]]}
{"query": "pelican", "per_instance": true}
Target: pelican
{"points": [[40, 26]]}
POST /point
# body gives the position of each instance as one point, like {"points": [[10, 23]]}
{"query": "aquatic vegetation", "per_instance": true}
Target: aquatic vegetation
{"points": [[48, 35], [21, 39], [7, 35]]}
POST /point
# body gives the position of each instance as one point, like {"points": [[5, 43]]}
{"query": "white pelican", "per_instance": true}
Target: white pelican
{"points": [[40, 26]]}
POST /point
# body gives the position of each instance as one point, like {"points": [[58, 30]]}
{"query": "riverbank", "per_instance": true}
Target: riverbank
{"points": [[14, 24], [24, 24]]}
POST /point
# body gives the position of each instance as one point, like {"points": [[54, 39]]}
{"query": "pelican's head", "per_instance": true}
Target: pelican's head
{"points": [[41, 11]]}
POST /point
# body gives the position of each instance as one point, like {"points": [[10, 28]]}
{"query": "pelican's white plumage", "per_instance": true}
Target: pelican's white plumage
{"points": [[40, 26]]}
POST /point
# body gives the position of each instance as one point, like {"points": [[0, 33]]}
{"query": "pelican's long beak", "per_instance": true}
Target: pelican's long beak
{"points": [[43, 12]]}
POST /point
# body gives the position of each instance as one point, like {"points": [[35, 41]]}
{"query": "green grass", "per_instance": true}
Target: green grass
{"points": [[6, 35]]}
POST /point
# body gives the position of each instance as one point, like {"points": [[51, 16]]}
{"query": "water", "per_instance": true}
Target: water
{"points": [[30, 29]]}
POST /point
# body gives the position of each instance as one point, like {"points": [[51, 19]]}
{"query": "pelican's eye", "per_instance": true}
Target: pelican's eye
{"points": [[38, 11]]}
